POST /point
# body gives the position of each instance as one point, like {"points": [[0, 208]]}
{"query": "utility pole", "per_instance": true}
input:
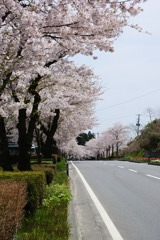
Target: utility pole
{"points": [[138, 124], [97, 134]]}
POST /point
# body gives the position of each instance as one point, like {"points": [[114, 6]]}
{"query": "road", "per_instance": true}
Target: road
{"points": [[129, 193]]}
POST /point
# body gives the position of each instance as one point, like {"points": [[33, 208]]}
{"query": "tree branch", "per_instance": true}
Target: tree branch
{"points": [[6, 15], [54, 124], [5, 81], [62, 25], [61, 55]]}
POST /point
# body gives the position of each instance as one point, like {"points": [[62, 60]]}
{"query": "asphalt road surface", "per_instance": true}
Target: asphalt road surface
{"points": [[129, 193]]}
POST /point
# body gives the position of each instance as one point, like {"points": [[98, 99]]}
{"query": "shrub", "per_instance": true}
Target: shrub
{"points": [[56, 158], [48, 169], [13, 198], [133, 156], [49, 175], [57, 195], [61, 178], [36, 186], [61, 166], [155, 162]]}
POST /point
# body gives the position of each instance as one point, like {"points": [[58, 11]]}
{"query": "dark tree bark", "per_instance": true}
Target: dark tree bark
{"points": [[5, 82], [6, 15], [109, 150], [33, 119], [117, 149], [24, 160], [26, 137], [38, 140], [4, 157], [112, 150], [49, 147]]}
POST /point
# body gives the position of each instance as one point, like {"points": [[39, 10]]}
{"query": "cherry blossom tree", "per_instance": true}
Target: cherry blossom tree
{"points": [[118, 136], [93, 147], [74, 95], [59, 28], [73, 150], [109, 142], [70, 90], [34, 35]]}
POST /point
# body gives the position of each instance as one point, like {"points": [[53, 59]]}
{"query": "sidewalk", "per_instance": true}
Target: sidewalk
{"points": [[85, 221]]}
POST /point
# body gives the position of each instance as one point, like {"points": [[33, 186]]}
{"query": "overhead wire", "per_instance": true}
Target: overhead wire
{"points": [[133, 99], [116, 117]]}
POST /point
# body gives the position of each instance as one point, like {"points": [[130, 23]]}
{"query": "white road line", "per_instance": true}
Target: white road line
{"points": [[132, 170], [120, 167], [148, 175], [108, 222]]}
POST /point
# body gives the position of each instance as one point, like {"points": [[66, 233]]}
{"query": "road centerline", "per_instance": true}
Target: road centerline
{"points": [[132, 170], [120, 167], [151, 176], [107, 220]]}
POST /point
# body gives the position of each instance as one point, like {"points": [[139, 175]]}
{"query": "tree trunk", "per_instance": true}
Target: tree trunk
{"points": [[117, 149], [109, 151], [38, 140], [49, 146], [24, 159], [5, 161], [33, 120], [112, 150]]}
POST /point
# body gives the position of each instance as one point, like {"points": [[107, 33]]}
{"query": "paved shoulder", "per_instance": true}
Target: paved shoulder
{"points": [[85, 221]]}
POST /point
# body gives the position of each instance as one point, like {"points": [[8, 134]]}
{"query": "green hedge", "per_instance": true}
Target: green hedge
{"points": [[49, 170], [36, 182]]}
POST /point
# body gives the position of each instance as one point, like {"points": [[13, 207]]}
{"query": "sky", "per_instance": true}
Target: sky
{"points": [[131, 75]]}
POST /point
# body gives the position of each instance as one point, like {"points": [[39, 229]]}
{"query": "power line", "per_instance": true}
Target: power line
{"points": [[116, 117], [115, 105]]}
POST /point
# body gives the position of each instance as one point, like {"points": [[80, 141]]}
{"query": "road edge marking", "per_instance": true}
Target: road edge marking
{"points": [[107, 220]]}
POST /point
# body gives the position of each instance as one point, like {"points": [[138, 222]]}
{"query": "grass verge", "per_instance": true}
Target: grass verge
{"points": [[50, 221]]}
